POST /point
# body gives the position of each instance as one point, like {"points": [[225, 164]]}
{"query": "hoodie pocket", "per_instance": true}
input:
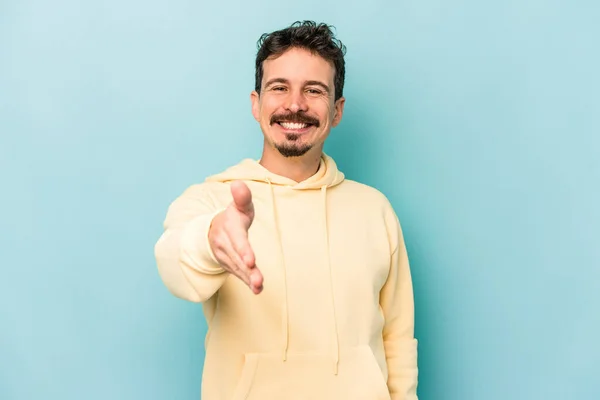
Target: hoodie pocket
{"points": [[311, 376]]}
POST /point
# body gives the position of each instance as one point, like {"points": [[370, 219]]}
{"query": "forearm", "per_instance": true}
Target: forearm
{"points": [[183, 254], [186, 263], [401, 355]]}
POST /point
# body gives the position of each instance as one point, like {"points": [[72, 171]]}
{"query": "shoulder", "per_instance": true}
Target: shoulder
{"points": [[373, 203], [367, 195], [201, 195]]}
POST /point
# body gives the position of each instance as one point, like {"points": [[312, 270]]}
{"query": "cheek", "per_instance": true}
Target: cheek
{"points": [[268, 108], [325, 110]]}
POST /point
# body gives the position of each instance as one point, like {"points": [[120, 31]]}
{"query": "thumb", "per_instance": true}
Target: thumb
{"points": [[242, 198]]}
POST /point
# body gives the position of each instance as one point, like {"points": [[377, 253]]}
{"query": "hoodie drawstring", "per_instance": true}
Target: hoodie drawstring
{"points": [[285, 316], [285, 311], [336, 344]]}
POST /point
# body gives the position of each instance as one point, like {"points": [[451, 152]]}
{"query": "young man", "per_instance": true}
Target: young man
{"points": [[303, 275]]}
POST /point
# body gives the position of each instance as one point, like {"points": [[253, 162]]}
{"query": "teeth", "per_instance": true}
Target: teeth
{"points": [[292, 125]]}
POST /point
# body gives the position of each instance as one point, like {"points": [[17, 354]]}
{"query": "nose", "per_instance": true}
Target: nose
{"points": [[296, 102]]}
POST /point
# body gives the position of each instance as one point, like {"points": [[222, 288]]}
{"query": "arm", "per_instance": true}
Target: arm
{"points": [[397, 304], [185, 261]]}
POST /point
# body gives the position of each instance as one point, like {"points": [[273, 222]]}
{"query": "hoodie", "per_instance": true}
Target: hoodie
{"points": [[335, 319]]}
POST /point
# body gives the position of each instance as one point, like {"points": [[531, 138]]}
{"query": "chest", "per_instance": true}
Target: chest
{"points": [[307, 243]]}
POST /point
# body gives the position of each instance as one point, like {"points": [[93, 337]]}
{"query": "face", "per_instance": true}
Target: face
{"points": [[296, 108]]}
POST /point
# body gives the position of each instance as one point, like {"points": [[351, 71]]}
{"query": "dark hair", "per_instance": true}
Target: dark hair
{"points": [[316, 38]]}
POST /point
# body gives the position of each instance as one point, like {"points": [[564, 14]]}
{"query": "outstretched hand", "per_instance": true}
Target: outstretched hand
{"points": [[228, 238]]}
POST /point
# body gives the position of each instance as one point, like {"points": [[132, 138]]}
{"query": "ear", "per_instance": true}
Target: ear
{"points": [[339, 111], [255, 101]]}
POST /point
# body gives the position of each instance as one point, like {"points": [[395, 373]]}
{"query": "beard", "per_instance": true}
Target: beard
{"points": [[292, 148]]}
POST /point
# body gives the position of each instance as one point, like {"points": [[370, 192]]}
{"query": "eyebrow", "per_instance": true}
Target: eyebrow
{"points": [[285, 81]]}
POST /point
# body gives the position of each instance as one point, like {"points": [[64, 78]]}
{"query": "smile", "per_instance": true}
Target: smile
{"points": [[293, 125], [296, 127]]}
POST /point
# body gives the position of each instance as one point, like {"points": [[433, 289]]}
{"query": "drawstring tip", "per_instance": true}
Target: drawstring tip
{"points": [[284, 355], [335, 368]]}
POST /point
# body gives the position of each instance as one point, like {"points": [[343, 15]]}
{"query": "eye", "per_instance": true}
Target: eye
{"points": [[314, 91], [278, 88]]}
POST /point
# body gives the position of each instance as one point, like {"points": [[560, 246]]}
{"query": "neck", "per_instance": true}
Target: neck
{"points": [[297, 169]]}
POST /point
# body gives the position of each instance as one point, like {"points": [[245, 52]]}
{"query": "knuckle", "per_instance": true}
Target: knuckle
{"points": [[218, 241]]}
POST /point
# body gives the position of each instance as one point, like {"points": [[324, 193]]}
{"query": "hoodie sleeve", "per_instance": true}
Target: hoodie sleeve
{"points": [[184, 258], [397, 304]]}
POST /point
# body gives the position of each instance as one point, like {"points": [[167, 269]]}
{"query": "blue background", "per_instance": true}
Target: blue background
{"points": [[481, 122]]}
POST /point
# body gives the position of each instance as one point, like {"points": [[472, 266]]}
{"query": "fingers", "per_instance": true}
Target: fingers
{"points": [[242, 198], [235, 254], [241, 246], [256, 281], [228, 236], [232, 260], [244, 257], [231, 266]]}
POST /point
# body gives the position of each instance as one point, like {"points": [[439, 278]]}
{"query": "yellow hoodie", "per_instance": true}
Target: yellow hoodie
{"points": [[335, 319]]}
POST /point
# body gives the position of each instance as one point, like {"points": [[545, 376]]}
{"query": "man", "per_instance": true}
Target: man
{"points": [[303, 275]]}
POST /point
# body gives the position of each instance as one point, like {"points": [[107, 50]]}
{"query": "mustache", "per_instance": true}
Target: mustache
{"points": [[299, 117]]}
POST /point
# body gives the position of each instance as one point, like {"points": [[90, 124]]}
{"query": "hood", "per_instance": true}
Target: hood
{"points": [[327, 176]]}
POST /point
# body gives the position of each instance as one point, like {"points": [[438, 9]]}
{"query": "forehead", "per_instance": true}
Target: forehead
{"points": [[297, 65]]}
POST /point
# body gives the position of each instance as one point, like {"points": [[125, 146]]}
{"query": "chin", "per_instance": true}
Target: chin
{"points": [[292, 151]]}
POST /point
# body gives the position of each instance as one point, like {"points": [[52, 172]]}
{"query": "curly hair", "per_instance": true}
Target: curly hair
{"points": [[316, 38]]}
